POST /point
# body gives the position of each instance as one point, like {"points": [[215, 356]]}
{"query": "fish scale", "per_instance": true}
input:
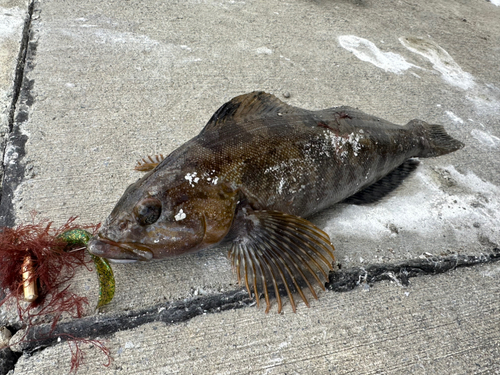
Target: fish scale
{"points": [[252, 176]]}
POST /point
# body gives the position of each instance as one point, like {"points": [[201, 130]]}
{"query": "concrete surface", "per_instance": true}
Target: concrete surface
{"points": [[106, 83], [13, 16], [427, 328]]}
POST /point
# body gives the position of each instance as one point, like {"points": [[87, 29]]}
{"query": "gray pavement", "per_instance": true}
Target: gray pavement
{"points": [[106, 83], [13, 16]]}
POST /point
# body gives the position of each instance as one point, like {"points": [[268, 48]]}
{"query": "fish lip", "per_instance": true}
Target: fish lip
{"points": [[119, 251]]}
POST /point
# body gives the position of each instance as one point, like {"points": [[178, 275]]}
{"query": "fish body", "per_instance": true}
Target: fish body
{"points": [[252, 175]]}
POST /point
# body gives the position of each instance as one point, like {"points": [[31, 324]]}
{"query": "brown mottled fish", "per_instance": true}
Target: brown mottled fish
{"points": [[252, 175]]}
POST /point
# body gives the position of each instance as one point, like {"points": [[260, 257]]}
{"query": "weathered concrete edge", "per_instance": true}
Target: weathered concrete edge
{"points": [[11, 174], [22, 101], [93, 327]]}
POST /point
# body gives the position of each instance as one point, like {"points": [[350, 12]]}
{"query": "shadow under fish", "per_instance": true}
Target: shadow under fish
{"points": [[257, 169]]}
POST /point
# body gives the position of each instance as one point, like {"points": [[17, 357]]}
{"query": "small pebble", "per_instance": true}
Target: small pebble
{"points": [[5, 336], [286, 94]]}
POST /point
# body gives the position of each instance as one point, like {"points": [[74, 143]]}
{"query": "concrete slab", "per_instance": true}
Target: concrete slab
{"points": [[445, 324], [107, 83], [13, 16]]}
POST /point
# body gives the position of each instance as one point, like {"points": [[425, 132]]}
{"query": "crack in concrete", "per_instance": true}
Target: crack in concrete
{"points": [[22, 100], [21, 59], [42, 336], [105, 325], [400, 273]]}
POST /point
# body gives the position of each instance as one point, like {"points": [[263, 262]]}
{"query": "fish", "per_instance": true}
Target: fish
{"points": [[251, 178]]}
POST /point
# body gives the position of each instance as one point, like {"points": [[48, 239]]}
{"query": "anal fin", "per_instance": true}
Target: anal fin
{"points": [[277, 253], [383, 187], [149, 163]]}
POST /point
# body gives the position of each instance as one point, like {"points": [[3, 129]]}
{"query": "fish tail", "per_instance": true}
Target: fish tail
{"points": [[435, 140]]}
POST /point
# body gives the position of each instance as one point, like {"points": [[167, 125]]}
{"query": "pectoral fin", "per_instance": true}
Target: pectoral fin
{"points": [[273, 250]]}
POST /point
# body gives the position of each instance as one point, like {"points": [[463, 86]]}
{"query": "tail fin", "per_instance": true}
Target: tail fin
{"points": [[436, 141]]}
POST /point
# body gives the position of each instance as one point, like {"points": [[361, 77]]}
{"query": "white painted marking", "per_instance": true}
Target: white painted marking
{"points": [[284, 344], [454, 117], [106, 36], [11, 22], [485, 138], [485, 101], [129, 345], [365, 50], [425, 209], [441, 61], [264, 51]]}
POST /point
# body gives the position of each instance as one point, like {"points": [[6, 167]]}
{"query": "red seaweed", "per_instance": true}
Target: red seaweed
{"points": [[53, 265]]}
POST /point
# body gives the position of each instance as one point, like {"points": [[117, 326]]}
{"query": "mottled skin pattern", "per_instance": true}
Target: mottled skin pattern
{"points": [[265, 153], [258, 153]]}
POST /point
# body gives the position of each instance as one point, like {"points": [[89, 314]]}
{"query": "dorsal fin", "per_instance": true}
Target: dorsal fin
{"points": [[150, 164], [247, 106]]}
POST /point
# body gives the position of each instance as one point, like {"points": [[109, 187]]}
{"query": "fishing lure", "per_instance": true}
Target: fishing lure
{"points": [[37, 261]]}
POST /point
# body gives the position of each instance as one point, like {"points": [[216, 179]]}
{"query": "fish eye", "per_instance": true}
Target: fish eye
{"points": [[147, 211]]}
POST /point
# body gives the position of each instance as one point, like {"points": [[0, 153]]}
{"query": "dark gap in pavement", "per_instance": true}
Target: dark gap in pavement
{"points": [[346, 280], [22, 100], [21, 59], [8, 360], [174, 312]]}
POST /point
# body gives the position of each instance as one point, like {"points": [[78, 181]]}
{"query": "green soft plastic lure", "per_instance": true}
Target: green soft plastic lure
{"points": [[80, 237]]}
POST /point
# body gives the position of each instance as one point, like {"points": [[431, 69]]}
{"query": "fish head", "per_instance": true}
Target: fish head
{"points": [[153, 222]]}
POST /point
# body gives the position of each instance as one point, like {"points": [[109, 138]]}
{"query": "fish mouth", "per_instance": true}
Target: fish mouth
{"points": [[119, 252]]}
